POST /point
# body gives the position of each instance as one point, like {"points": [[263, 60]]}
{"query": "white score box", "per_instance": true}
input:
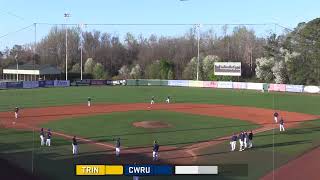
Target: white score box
{"points": [[188, 170]]}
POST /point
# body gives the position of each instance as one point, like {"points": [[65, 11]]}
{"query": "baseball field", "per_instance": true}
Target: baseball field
{"points": [[195, 128]]}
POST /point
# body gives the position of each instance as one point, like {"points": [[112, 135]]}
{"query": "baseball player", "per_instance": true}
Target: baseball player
{"points": [[42, 137], [250, 139], [241, 139], [233, 142], [48, 141], [89, 101], [168, 100], [16, 112], [282, 124], [275, 115], [246, 140], [118, 147], [74, 146], [155, 152], [152, 100]]}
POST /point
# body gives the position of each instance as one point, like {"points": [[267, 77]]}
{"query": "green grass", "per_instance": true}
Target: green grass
{"points": [[186, 128], [43, 97]]}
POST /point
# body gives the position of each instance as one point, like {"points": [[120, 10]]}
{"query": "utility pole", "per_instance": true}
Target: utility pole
{"points": [[198, 59]]}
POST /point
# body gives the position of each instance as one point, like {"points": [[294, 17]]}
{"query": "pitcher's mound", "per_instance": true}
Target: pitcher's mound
{"points": [[151, 124]]}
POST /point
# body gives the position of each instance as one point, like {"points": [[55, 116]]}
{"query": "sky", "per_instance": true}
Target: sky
{"points": [[17, 14]]}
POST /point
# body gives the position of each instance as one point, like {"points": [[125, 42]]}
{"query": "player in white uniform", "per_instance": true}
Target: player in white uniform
{"points": [[152, 100], [48, 141], [42, 137], [282, 124], [89, 101], [74, 146], [118, 147], [168, 100]]}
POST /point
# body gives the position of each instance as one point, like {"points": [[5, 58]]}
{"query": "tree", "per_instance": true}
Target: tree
{"points": [[165, 66], [99, 72], [190, 71], [208, 66], [124, 72], [264, 68], [153, 70], [76, 68], [89, 65], [136, 72]]}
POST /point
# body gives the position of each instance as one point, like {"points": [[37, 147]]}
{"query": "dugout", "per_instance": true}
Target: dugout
{"points": [[30, 72]]}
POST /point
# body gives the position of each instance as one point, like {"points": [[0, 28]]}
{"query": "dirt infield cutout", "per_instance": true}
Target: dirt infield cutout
{"points": [[151, 124]]}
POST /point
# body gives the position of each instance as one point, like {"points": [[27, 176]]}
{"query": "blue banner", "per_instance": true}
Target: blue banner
{"points": [[30, 84], [61, 83], [148, 170], [98, 82], [49, 83], [84, 82], [294, 88], [14, 85], [3, 85], [42, 83]]}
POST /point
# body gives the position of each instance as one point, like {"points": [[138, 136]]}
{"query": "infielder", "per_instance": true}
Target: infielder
{"points": [[250, 139], [168, 100], [42, 137], [276, 115], [155, 152], [241, 139], [118, 147], [152, 100], [246, 140], [48, 141], [16, 112], [89, 101], [233, 142], [74, 146], [282, 124]]}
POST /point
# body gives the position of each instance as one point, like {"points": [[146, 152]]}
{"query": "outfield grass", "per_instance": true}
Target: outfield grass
{"points": [[185, 128], [43, 97]]}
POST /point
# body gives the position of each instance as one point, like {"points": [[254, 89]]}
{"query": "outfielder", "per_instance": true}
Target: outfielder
{"points": [[155, 152], [168, 100], [89, 101], [48, 141], [275, 115], [74, 146], [233, 142], [152, 100], [16, 112], [118, 147], [42, 137], [246, 139], [282, 124]]}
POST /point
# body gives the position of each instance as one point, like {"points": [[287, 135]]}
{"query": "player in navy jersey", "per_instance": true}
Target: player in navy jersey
{"points": [[48, 141], [74, 146], [155, 151]]}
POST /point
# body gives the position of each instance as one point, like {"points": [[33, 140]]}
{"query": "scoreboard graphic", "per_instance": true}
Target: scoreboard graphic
{"points": [[144, 170]]}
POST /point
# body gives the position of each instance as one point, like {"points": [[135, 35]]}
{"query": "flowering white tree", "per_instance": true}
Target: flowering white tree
{"points": [[88, 66], [190, 71], [208, 66], [124, 72], [136, 72], [264, 68]]}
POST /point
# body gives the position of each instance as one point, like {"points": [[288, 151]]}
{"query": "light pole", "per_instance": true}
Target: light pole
{"points": [[16, 58], [66, 15], [81, 49], [198, 59]]}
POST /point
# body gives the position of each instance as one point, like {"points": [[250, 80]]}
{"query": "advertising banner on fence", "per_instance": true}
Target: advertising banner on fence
{"points": [[182, 83], [277, 87], [224, 84], [61, 83], [210, 84], [42, 83], [84, 82], [98, 82], [3, 85], [227, 68], [239, 85], [14, 85], [255, 86], [311, 89], [49, 83], [195, 83], [30, 84], [294, 88]]}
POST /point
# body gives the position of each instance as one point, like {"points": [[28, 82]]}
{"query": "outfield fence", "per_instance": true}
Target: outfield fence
{"points": [[225, 85], [159, 82]]}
